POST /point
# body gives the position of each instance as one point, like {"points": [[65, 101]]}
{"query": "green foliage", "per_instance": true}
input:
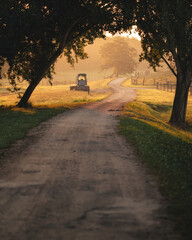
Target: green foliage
{"points": [[167, 156], [166, 35], [35, 33], [166, 31], [15, 124]]}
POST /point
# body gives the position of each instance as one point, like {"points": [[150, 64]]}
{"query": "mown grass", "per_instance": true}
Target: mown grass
{"points": [[16, 122], [166, 150]]}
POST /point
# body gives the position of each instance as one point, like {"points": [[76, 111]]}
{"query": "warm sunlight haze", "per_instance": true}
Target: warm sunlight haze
{"points": [[131, 34], [95, 120]]}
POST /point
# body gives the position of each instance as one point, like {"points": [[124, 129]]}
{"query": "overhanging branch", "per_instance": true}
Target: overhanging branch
{"points": [[169, 66], [59, 51]]}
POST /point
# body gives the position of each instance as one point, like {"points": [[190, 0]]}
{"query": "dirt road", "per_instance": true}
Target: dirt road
{"points": [[77, 179]]}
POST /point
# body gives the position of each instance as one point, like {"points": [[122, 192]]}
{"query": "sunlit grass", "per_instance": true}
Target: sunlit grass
{"points": [[149, 81], [46, 102], [154, 107], [166, 150], [60, 95], [100, 84]]}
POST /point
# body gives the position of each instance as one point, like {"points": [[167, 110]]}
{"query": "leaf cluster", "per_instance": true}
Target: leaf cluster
{"points": [[166, 31], [35, 33]]}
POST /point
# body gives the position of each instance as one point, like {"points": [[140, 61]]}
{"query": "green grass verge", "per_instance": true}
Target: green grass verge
{"points": [[168, 154], [15, 123]]}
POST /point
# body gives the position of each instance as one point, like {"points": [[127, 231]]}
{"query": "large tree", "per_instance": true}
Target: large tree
{"points": [[35, 33], [166, 34], [119, 56]]}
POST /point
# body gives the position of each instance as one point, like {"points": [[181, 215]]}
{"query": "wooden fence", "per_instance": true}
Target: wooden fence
{"points": [[170, 87], [55, 82], [143, 81], [164, 85]]}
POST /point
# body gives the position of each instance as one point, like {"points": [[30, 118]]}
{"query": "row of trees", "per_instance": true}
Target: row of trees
{"points": [[33, 34]]}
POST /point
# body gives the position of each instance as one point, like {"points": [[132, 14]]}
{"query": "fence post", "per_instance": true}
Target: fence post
{"points": [[143, 81], [167, 86], [157, 86], [190, 89]]}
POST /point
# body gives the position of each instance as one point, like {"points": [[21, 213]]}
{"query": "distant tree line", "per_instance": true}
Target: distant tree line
{"points": [[33, 34]]}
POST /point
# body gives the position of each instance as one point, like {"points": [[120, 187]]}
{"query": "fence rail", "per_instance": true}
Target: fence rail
{"points": [[164, 85], [143, 81], [170, 87]]}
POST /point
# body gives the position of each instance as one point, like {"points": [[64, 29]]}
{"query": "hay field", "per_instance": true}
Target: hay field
{"points": [[154, 107], [60, 95], [149, 81], [158, 97]]}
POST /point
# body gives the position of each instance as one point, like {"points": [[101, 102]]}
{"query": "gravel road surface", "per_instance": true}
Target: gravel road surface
{"points": [[75, 178]]}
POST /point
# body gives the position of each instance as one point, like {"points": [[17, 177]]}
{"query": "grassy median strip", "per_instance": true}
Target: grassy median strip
{"points": [[167, 151]]}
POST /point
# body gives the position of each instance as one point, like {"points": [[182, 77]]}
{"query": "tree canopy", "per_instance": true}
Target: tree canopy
{"points": [[165, 28], [118, 55], [35, 33]]}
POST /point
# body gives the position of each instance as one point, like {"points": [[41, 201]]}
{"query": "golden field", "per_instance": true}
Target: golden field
{"points": [[60, 95], [149, 81], [154, 107]]}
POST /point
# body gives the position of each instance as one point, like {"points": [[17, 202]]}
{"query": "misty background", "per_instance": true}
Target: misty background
{"points": [[92, 66]]}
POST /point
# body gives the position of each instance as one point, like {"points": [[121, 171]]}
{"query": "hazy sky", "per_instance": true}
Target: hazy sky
{"points": [[131, 34]]}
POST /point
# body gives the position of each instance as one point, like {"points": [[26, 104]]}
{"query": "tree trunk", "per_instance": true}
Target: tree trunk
{"points": [[33, 84], [178, 115], [24, 100]]}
